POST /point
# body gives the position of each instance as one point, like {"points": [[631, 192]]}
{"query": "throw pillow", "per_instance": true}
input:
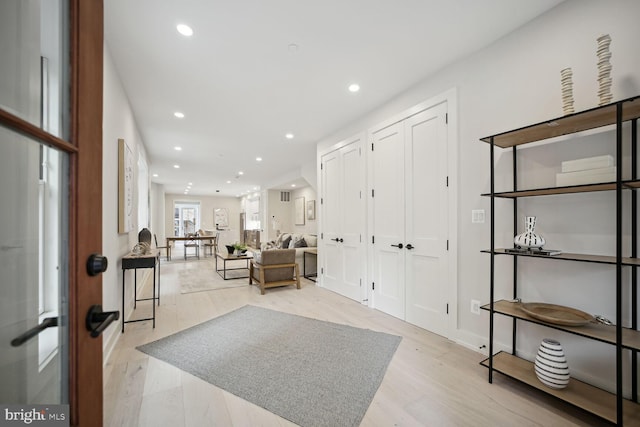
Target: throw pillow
{"points": [[285, 242], [300, 243]]}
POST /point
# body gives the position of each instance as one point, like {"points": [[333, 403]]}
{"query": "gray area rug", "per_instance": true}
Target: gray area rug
{"points": [[311, 372]]}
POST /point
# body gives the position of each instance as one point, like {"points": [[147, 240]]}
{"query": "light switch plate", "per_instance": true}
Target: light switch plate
{"points": [[477, 216]]}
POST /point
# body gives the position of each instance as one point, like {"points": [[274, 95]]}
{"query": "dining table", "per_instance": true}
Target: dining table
{"points": [[211, 238]]}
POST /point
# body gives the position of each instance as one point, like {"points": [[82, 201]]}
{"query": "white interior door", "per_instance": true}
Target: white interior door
{"points": [[426, 219], [388, 203], [342, 220], [331, 206]]}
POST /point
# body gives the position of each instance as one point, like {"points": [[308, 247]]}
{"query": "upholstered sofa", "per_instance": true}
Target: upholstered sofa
{"points": [[298, 241]]}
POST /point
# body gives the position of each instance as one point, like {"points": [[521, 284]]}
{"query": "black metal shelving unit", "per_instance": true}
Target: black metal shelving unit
{"points": [[612, 407]]}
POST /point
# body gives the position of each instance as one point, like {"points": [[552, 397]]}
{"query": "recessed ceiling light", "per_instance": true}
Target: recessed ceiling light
{"points": [[258, 159], [176, 166], [240, 173], [177, 148], [293, 185], [155, 175], [191, 183], [228, 182], [289, 136], [293, 48], [185, 30], [354, 87], [179, 115]]}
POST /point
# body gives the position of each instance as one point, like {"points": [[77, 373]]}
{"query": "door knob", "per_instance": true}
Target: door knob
{"points": [[97, 264], [410, 246], [341, 240], [399, 246]]}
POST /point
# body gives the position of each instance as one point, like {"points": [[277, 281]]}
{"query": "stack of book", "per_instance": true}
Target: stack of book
{"points": [[590, 170]]}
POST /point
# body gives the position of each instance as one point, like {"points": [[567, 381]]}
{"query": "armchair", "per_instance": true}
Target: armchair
{"points": [[276, 267]]}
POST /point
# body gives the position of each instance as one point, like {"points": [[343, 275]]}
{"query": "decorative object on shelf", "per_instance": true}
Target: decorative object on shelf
{"points": [[551, 365], [604, 69], [529, 239], [144, 236], [141, 248], [566, 79], [533, 251], [556, 314]]}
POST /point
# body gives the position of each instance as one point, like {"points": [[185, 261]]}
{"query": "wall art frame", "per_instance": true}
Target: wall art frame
{"points": [[126, 187]]}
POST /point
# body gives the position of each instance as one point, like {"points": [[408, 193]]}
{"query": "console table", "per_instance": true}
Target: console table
{"points": [[133, 262]]}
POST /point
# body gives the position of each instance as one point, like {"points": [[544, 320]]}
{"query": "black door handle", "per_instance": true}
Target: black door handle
{"points": [[399, 246], [410, 246], [48, 322], [97, 320], [97, 264], [336, 240], [340, 240]]}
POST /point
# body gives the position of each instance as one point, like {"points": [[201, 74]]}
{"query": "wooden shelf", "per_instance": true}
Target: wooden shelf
{"points": [[573, 189], [600, 259], [577, 393], [572, 123], [596, 331]]}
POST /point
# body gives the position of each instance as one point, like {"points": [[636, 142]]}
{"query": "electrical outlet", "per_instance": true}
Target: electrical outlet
{"points": [[475, 306]]}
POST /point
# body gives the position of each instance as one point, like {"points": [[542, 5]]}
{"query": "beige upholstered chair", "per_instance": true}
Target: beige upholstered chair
{"points": [[276, 267]]}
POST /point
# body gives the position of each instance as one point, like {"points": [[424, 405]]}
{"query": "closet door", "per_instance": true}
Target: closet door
{"points": [[332, 264], [410, 219], [342, 216], [388, 204], [426, 219]]}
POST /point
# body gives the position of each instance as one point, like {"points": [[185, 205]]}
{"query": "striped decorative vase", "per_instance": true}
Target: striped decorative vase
{"points": [[529, 239], [551, 365]]}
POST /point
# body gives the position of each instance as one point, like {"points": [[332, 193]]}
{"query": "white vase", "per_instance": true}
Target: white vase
{"points": [[529, 239], [551, 364]]}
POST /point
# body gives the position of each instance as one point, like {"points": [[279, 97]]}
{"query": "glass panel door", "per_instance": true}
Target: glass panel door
{"points": [[33, 266], [34, 86]]}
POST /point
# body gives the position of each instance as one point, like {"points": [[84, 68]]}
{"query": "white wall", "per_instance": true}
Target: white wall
{"points": [[281, 212], [513, 83], [118, 122]]}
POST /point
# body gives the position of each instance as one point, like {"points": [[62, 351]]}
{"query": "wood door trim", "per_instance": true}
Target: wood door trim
{"points": [[30, 130], [85, 211]]}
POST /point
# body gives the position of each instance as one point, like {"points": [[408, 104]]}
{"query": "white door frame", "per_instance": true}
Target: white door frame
{"points": [[450, 97]]}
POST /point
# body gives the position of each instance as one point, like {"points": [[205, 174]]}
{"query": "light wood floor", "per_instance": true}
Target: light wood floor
{"points": [[430, 381]]}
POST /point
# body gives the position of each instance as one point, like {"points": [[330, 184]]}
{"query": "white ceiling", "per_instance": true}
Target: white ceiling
{"points": [[242, 88]]}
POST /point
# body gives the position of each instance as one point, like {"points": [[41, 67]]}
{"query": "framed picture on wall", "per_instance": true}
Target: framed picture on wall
{"points": [[221, 218], [299, 211], [311, 210], [125, 187]]}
